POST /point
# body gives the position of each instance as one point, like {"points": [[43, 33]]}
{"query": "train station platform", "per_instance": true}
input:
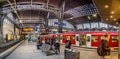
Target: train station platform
{"points": [[27, 50]]}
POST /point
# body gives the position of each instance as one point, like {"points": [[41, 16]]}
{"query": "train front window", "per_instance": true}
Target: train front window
{"points": [[114, 38], [94, 38]]}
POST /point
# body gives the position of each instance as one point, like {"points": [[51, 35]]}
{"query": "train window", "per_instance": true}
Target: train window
{"points": [[67, 37], [114, 38], [94, 38], [73, 38]]}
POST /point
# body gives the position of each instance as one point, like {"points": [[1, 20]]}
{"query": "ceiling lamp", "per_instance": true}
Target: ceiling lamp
{"points": [[71, 18], [111, 16], [94, 15], [20, 21], [112, 12], [107, 19], [89, 18], [114, 19], [106, 6], [117, 23]]}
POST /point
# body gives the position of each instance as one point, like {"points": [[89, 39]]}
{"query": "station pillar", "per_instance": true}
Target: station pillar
{"points": [[20, 30], [14, 32], [61, 17], [60, 25], [46, 19], [119, 43]]}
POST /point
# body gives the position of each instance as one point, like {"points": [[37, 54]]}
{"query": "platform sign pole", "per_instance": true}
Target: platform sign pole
{"points": [[119, 43]]}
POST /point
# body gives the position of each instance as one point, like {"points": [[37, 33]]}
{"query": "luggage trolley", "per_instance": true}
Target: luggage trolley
{"points": [[47, 49]]}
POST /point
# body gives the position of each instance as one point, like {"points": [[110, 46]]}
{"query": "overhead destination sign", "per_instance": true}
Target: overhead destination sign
{"points": [[63, 24]]}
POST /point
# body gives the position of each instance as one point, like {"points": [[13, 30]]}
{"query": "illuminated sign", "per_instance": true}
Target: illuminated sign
{"points": [[63, 24]]}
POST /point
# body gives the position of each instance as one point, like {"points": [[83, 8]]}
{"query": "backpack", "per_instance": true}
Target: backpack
{"points": [[56, 44]]}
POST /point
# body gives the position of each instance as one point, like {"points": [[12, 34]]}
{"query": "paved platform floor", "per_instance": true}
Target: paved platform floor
{"points": [[29, 51]]}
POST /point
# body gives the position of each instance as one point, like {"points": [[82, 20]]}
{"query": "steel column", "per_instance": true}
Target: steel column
{"points": [[60, 19], [14, 32], [46, 20]]}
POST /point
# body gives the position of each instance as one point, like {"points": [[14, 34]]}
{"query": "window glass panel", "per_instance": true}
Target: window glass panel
{"points": [[94, 38], [86, 25], [79, 26], [103, 25], [73, 38], [114, 38], [102, 37], [94, 25], [83, 39]]}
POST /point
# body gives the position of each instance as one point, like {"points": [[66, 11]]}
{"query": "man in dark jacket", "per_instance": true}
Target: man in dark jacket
{"points": [[57, 47], [104, 48], [68, 44]]}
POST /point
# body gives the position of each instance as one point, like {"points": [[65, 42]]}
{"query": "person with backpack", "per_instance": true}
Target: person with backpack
{"points": [[104, 48], [39, 42], [57, 47]]}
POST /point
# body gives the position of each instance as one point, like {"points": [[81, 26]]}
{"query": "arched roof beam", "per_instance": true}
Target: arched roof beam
{"points": [[14, 9], [33, 7], [25, 3]]}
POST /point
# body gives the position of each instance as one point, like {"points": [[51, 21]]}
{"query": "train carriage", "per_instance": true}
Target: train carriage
{"points": [[91, 38]]}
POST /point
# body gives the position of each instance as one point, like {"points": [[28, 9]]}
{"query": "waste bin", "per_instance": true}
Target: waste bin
{"points": [[71, 54]]}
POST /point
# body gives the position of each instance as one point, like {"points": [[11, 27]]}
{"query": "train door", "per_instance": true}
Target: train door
{"points": [[88, 40], [82, 39], [61, 38], [77, 40]]}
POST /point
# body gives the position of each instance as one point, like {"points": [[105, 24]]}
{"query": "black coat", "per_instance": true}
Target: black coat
{"points": [[104, 48]]}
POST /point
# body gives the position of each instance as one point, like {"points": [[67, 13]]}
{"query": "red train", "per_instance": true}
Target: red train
{"points": [[89, 39]]}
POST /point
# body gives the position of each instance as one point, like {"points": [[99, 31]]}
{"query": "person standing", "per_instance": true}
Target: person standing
{"points": [[57, 47], [103, 49], [39, 42], [68, 43]]}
